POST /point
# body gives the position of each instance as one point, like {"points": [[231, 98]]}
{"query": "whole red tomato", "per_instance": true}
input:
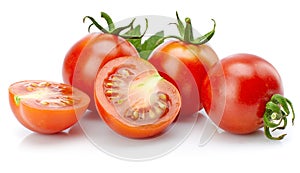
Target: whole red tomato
{"points": [[236, 95], [88, 55], [185, 62]]}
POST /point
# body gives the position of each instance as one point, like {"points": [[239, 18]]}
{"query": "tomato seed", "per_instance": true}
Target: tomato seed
{"points": [[162, 105], [43, 84], [67, 102], [152, 114], [29, 88], [33, 84], [43, 102], [162, 96]]}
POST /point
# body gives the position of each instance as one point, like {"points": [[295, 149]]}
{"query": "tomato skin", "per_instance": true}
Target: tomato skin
{"points": [[185, 66], [88, 55], [113, 116], [248, 84], [40, 118]]}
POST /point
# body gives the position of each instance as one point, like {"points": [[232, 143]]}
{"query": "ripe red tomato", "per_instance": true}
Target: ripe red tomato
{"points": [[133, 99], [236, 92], [88, 55], [185, 65], [47, 107]]}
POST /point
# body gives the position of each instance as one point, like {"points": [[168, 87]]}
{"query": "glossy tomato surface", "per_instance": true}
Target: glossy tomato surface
{"points": [[237, 90], [133, 99], [88, 55], [185, 65], [47, 107]]}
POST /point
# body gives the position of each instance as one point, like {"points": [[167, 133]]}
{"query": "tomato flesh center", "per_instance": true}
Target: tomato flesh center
{"points": [[48, 94], [136, 96]]}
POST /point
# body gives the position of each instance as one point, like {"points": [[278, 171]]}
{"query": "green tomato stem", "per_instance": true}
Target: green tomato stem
{"points": [[109, 21], [111, 27], [186, 32], [275, 116]]}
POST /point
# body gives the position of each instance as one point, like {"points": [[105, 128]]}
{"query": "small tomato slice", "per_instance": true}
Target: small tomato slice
{"points": [[133, 99], [47, 107]]}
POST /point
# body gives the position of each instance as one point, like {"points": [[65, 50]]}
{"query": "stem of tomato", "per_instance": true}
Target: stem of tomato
{"points": [[111, 26], [186, 32], [275, 116]]}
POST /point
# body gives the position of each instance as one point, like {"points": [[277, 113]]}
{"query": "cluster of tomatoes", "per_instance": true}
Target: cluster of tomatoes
{"points": [[139, 97]]}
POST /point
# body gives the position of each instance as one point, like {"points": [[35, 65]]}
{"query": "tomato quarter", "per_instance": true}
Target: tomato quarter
{"points": [[133, 99], [47, 107]]}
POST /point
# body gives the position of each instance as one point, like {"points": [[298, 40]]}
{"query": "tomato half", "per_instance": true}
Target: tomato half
{"points": [[186, 66], [88, 55], [246, 82], [133, 99], [47, 107]]}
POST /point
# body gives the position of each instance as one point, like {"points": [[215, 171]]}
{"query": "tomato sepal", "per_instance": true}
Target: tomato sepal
{"points": [[275, 116], [112, 29]]}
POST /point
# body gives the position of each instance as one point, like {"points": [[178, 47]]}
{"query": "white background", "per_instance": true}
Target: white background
{"points": [[35, 35]]}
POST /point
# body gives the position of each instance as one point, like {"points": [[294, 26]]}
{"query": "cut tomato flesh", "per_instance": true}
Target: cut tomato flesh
{"points": [[133, 99]]}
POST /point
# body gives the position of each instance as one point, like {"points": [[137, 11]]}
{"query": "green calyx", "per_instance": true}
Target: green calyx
{"points": [[275, 116], [186, 32], [112, 28], [17, 100]]}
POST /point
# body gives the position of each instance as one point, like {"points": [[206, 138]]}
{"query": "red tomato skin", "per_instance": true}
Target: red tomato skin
{"points": [[249, 83], [185, 66], [88, 55]]}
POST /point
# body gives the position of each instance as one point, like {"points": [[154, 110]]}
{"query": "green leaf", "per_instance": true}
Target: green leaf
{"points": [[180, 25], [137, 43], [150, 44]]}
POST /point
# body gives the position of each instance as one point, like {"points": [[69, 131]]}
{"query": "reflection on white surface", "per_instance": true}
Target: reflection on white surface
{"points": [[67, 137], [136, 149]]}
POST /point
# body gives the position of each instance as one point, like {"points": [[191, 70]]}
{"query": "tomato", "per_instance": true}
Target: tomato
{"points": [[88, 55], [185, 65], [243, 83], [185, 62], [47, 107], [133, 99]]}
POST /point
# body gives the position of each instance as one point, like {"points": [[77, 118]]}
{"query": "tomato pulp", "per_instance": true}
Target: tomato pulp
{"points": [[133, 99]]}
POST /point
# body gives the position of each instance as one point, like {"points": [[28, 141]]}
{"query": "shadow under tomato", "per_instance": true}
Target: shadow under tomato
{"points": [[113, 144], [68, 136], [219, 136]]}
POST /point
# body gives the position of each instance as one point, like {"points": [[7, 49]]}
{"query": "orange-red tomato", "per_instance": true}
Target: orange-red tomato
{"points": [[47, 107], [185, 65], [88, 55], [133, 99]]}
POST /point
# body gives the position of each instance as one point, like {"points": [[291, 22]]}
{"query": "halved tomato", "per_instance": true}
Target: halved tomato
{"points": [[47, 107], [133, 99]]}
